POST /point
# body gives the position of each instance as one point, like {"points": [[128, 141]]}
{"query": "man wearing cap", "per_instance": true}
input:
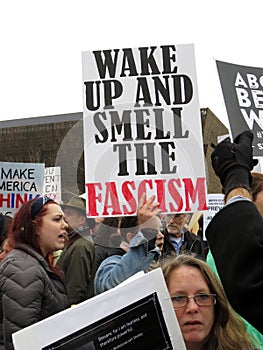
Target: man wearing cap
{"points": [[77, 259]]}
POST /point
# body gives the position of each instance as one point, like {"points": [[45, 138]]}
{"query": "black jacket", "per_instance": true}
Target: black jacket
{"points": [[235, 237], [192, 245]]}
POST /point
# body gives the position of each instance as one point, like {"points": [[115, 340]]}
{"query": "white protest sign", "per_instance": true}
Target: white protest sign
{"points": [[142, 130], [19, 182], [215, 203], [117, 319], [52, 183]]}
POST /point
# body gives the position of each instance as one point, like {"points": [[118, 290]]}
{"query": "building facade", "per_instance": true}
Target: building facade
{"points": [[57, 140]]}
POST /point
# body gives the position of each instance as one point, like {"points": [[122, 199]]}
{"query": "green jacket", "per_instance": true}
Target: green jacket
{"points": [[77, 261]]}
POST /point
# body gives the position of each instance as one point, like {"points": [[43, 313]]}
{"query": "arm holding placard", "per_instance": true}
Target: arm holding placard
{"points": [[235, 234]]}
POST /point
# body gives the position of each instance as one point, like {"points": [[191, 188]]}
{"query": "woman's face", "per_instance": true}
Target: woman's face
{"points": [[52, 232], [195, 321]]}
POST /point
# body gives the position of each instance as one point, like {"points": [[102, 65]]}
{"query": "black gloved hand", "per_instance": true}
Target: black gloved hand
{"points": [[232, 162]]}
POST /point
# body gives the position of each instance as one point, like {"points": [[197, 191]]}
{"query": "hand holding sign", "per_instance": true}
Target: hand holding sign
{"points": [[232, 162]]}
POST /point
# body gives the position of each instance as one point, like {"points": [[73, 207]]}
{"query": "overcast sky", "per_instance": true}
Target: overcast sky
{"points": [[42, 41]]}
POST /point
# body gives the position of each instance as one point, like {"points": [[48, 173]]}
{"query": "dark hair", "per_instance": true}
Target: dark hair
{"points": [[106, 230], [23, 228], [6, 221]]}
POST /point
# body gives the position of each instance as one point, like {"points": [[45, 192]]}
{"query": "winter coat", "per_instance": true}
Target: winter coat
{"points": [[77, 261], [30, 291], [235, 237], [192, 245]]}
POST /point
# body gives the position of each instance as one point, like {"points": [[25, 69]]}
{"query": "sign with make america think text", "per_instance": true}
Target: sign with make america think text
{"points": [[19, 182], [142, 130]]}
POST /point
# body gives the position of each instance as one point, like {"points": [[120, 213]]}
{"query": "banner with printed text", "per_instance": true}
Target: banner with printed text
{"points": [[52, 183], [142, 130], [215, 202], [116, 319], [242, 88], [19, 182]]}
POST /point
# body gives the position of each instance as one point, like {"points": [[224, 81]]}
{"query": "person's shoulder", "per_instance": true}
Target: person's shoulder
{"points": [[110, 260], [15, 256], [19, 262], [191, 234], [82, 244], [225, 215], [84, 241]]}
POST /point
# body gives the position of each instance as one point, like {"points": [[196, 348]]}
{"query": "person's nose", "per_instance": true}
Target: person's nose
{"points": [[66, 218], [65, 224], [191, 306], [171, 221]]}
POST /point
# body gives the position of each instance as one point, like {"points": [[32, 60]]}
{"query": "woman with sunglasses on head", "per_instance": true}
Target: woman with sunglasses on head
{"points": [[31, 288], [204, 314]]}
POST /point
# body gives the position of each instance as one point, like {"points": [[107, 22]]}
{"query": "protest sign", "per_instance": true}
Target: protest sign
{"points": [[52, 183], [215, 203], [242, 88], [142, 130], [116, 319], [19, 182]]}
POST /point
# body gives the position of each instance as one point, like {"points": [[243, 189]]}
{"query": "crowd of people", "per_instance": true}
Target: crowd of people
{"points": [[54, 257]]}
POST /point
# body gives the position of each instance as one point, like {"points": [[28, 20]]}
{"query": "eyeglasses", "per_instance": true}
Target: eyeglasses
{"points": [[200, 300], [170, 217]]}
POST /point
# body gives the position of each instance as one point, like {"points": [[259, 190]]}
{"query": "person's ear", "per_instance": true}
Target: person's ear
{"points": [[82, 220]]}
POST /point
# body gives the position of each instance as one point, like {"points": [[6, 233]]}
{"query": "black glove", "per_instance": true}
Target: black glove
{"points": [[232, 162]]}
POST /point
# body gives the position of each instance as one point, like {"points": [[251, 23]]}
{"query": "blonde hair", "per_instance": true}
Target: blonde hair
{"points": [[228, 331]]}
